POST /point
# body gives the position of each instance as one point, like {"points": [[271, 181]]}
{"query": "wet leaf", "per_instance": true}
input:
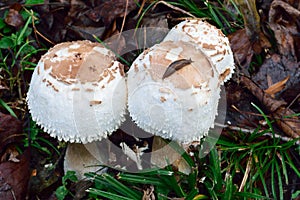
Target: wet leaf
{"points": [[87, 32], [252, 25], [110, 10], [284, 116], [241, 48], [2, 23], [14, 177], [6, 42], [277, 87], [276, 68], [10, 131], [284, 21], [14, 18]]}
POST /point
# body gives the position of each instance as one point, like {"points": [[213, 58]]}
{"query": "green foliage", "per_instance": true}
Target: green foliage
{"points": [[30, 2], [166, 183], [215, 11], [126, 185], [262, 163], [62, 191], [16, 50], [38, 142], [4, 105], [246, 166]]}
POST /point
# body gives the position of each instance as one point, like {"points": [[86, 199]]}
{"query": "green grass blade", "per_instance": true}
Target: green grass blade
{"points": [[228, 188], [23, 31], [158, 171], [143, 13], [106, 46], [50, 144], [266, 118], [107, 195], [248, 195], [273, 183], [172, 183], [216, 168], [4, 105], [182, 152], [284, 171], [291, 164], [260, 171], [121, 188], [192, 194], [137, 178], [280, 187]]}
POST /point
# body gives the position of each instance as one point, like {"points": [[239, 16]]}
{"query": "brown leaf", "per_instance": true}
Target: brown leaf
{"points": [[252, 25], [14, 18], [277, 87], [110, 10], [241, 47], [14, 177], [88, 32], [284, 21], [285, 117], [287, 121], [276, 68], [10, 131]]}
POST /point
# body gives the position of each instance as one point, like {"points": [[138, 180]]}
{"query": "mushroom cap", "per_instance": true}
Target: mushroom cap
{"points": [[180, 107], [78, 92], [210, 40]]}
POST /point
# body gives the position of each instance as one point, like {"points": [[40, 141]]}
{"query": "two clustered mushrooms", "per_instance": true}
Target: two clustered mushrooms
{"points": [[79, 92]]}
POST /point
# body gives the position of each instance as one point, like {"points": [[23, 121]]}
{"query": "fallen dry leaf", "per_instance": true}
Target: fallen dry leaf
{"points": [[284, 116], [110, 10], [284, 21], [277, 68], [241, 47], [252, 22], [10, 131], [14, 169], [14, 18], [149, 193], [14, 177], [277, 87]]}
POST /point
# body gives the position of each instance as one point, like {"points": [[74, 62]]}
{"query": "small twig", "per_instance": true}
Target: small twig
{"points": [[174, 8], [246, 130], [124, 19], [294, 100], [243, 114], [248, 167], [277, 108], [141, 8]]}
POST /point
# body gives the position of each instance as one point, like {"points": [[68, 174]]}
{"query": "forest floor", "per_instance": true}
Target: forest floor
{"points": [[258, 153]]}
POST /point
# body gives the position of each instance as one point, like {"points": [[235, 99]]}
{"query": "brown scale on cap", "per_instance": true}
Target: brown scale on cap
{"points": [[80, 63], [210, 29], [197, 72]]}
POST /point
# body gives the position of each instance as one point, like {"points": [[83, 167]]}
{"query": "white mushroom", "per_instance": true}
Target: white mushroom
{"points": [[78, 92], [210, 40], [180, 106]]}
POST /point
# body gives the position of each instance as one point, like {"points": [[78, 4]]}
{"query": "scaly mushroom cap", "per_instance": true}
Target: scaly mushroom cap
{"points": [[210, 40], [181, 106], [77, 92]]}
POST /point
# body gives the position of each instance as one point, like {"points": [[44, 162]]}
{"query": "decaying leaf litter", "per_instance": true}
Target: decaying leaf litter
{"points": [[266, 53]]}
